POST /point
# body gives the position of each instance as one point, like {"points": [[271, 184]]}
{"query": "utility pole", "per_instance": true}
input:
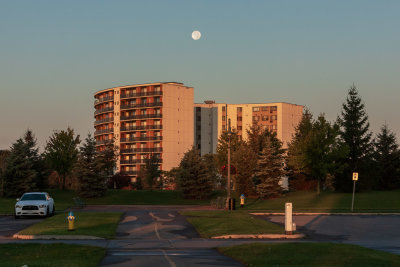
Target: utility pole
{"points": [[229, 159]]}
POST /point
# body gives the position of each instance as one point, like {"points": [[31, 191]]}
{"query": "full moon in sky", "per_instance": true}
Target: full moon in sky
{"points": [[196, 35]]}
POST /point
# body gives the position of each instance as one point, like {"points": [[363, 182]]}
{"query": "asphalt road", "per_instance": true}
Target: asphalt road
{"points": [[380, 232], [9, 225]]}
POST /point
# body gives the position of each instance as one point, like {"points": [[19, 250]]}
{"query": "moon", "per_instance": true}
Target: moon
{"points": [[196, 35]]}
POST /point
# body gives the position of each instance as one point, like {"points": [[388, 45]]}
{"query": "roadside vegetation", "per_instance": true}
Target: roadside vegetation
{"points": [[100, 224], [12, 255], [217, 223], [309, 254]]}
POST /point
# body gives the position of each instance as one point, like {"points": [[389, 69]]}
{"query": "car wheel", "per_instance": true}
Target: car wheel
{"points": [[16, 216], [53, 211], [47, 212]]}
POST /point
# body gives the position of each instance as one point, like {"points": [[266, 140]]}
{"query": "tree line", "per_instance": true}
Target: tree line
{"points": [[322, 155]]}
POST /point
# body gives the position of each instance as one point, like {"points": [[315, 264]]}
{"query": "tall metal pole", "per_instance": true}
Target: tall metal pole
{"points": [[354, 190], [229, 159]]}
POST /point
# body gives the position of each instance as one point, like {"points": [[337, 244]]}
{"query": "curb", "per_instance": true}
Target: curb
{"points": [[323, 213], [260, 236], [57, 237]]}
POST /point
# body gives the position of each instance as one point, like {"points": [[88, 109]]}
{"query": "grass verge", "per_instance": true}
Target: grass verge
{"points": [[216, 223], [306, 201], [100, 224], [309, 254], [50, 255]]}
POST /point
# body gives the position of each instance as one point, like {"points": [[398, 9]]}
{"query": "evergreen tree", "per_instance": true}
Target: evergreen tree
{"points": [[214, 176], [192, 176], [222, 147], [150, 171], [3, 156], [356, 135], [21, 173], [387, 157], [61, 152], [269, 169], [245, 160], [90, 171]]}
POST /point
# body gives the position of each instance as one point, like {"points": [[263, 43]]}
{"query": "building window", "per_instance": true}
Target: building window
{"points": [[264, 118], [239, 118], [256, 118], [274, 127], [255, 109], [223, 118], [239, 109], [274, 117], [264, 108], [239, 128], [274, 108]]}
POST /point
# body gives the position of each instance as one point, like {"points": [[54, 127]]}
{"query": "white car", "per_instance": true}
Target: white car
{"points": [[34, 203]]}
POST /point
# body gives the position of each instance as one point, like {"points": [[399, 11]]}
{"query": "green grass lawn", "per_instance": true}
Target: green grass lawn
{"points": [[50, 255], [87, 223], [306, 201], [144, 197], [216, 223], [309, 254]]}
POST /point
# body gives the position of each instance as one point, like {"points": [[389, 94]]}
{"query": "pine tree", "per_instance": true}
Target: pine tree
{"points": [[269, 168], [387, 157], [245, 161], [61, 152], [21, 173], [150, 171], [192, 176], [90, 171], [356, 135]]}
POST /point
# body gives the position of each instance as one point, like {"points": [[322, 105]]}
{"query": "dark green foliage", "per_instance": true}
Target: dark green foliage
{"points": [[61, 152], [3, 155], [108, 157], [192, 177], [118, 181], [24, 169], [213, 172], [222, 147], [269, 169], [245, 161], [89, 170], [151, 172], [356, 135], [387, 157]]}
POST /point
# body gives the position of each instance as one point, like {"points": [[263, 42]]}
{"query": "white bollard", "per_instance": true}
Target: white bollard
{"points": [[288, 218]]}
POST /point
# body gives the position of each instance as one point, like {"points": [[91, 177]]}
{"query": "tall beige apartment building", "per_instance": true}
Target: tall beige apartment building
{"points": [[149, 118], [211, 119]]}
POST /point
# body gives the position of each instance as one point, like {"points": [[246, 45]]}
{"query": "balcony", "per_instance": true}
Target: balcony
{"points": [[103, 99], [143, 116], [136, 161], [104, 142], [144, 149], [107, 120], [139, 139], [144, 105], [102, 110], [141, 128], [130, 172], [104, 131], [132, 95]]}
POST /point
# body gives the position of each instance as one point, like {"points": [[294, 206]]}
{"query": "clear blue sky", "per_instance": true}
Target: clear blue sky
{"points": [[55, 54]]}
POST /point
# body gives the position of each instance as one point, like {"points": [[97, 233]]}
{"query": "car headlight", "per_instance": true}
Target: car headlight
{"points": [[42, 206], [18, 206]]}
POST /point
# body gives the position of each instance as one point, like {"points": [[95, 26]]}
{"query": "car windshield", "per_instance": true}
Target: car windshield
{"points": [[34, 197]]}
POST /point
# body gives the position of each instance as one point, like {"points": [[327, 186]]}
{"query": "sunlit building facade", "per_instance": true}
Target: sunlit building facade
{"points": [[144, 119], [211, 119]]}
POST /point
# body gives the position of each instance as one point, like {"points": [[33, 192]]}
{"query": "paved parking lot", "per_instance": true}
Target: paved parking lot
{"points": [[9, 225]]}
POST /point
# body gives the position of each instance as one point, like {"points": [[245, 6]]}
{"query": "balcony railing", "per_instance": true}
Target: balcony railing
{"points": [[103, 142], [130, 172], [136, 161], [143, 105], [138, 139], [104, 99], [145, 149], [143, 116], [141, 128], [102, 110], [131, 95], [105, 131], [104, 121]]}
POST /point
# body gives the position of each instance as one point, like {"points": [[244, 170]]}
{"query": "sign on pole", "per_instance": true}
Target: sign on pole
{"points": [[355, 176]]}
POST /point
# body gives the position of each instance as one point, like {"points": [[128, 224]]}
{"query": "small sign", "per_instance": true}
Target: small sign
{"points": [[355, 176]]}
